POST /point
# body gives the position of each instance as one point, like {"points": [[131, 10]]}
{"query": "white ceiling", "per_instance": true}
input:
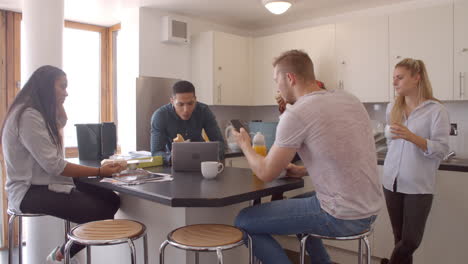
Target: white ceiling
{"points": [[243, 14]]}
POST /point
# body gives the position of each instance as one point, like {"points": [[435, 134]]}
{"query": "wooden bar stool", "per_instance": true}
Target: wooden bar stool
{"points": [[206, 237], [108, 232], [364, 236], [11, 226]]}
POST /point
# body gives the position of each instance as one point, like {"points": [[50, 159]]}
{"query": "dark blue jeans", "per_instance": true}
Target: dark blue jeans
{"points": [[294, 216]]}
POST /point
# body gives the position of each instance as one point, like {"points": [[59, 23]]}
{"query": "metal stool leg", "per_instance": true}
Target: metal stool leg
{"points": [[88, 254], [11, 239], [219, 253], [197, 257], [67, 230], [360, 254], [20, 239], [250, 246], [161, 251], [145, 249], [302, 249], [66, 257], [368, 249], [132, 251]]}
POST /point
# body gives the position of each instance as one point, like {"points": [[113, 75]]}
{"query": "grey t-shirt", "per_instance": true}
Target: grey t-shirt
{"points": [[331, 130], [30, 156]]}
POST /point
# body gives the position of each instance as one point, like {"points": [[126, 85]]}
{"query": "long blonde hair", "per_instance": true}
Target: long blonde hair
{"points": [[424, 87]]}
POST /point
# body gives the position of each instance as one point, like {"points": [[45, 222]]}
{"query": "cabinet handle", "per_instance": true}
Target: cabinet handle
{"points": [[462, 85], [398, 57], [219, 93], [464, 50], [341, 85]]}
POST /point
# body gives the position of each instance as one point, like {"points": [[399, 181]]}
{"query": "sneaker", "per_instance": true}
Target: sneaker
{"points": [[384, 261], [52, 259]]}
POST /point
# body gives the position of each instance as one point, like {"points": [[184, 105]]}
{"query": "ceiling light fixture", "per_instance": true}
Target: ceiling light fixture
{"points": [[277, 7]]}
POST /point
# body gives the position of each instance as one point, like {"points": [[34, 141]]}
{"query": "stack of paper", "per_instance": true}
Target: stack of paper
{"points": [[138, 176]]}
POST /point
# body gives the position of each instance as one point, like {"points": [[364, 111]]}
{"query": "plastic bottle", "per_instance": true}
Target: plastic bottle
{"points": [[259, 144]]}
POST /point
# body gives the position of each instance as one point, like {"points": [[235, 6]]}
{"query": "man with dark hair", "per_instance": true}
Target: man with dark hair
{"points": [[186, 117]]}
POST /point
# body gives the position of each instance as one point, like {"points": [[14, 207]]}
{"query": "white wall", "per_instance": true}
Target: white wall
{"points": [[127, 72], [160, 59]]}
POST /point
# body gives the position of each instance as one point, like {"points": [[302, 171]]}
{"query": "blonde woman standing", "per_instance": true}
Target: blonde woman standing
{"points": [[419, 126]]}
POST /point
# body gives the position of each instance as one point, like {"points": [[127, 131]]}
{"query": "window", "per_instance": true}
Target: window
{"points": [[82, 64]]}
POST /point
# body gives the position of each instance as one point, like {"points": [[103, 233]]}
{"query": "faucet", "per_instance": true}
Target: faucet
{"points": [[449, 155]]}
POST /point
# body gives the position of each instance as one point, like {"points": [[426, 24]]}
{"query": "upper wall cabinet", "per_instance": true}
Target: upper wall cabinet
{"points": [[461, 50], [318, 42], [221, 68], [362, 58], [426, 34]]}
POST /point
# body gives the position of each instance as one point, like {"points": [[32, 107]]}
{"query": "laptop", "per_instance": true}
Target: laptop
{"points": [[187, 156]]}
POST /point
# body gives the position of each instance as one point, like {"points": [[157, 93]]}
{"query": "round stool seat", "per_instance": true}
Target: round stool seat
{"points": [[11, 212], [351, 237], [108, 230], [206, 235]]}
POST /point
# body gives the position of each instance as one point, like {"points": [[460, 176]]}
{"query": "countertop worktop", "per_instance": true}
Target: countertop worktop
{"points": [[190, 189], [453, 164]]}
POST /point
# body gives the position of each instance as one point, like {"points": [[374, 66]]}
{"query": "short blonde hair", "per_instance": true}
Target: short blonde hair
{"points": [[424, 87], [297, 62]]}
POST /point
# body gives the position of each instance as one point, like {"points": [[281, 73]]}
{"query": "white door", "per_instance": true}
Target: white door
{"points": [[362, 58], [426, 34], [231, 69], [461, 50]]}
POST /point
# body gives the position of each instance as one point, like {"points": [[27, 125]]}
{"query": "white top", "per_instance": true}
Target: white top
{"points": [[413, 168], [30, 156], [331, 130]]}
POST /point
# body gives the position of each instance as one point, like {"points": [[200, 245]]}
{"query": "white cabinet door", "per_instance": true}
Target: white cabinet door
{"points": [[362, 58], [461, 50], [426, 34], [221, 68], [318, 42], [232, 69]]}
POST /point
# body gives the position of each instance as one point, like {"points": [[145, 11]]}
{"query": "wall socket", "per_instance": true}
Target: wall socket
{"points": [[453, 129]]}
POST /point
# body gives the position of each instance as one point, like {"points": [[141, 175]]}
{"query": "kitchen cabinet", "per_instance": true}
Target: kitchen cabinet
{"points": [[221, 68], [318, 42], [425, 34], [460, 73], [445, 235], [362, 58]]}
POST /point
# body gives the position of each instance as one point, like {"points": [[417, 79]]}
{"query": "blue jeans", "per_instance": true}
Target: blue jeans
{"points": [[294, 216]]}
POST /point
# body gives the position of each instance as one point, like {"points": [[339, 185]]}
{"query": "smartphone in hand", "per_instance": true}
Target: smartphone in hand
{"points": [[236, 123]]}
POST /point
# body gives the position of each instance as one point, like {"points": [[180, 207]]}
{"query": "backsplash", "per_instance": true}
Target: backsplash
{"points": [[226, 113], [458, 114]]}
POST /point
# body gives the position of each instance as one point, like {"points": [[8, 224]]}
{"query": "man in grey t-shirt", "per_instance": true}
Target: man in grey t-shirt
{"points": [[331, 132]]}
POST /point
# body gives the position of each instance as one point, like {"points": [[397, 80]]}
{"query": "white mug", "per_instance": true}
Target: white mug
{"points": [[388, 132], [210, 169]]}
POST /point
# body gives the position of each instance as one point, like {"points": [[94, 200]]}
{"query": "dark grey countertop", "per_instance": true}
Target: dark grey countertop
{"points": [[231, 154], [453, 164], [190, 189]]}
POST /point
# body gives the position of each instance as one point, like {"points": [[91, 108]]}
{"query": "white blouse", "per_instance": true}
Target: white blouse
{"points": [[413, 168]]}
